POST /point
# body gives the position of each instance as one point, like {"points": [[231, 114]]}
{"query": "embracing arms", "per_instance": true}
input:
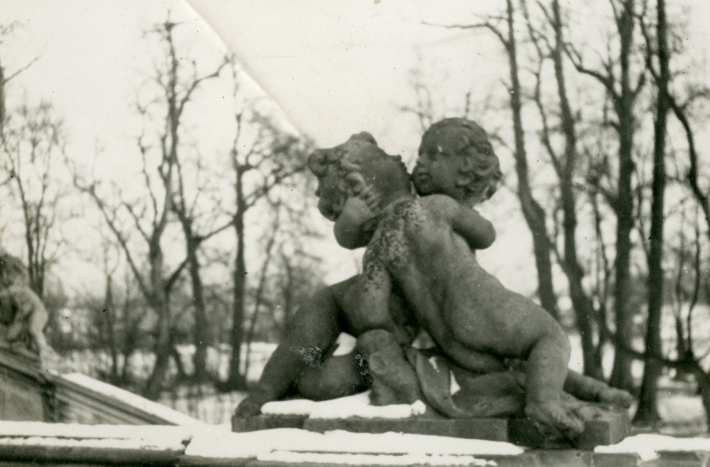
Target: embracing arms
{"points": [[357, 221], [477, 231]]}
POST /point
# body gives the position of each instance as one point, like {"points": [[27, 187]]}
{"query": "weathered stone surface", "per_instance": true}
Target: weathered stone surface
{"points": [[61, 454], [21, 394], [678, 459], [266, 422], [20, 400], [564, 458], [196, 461], [615, 460], [90, 402], [610, 428], [29, 394]]}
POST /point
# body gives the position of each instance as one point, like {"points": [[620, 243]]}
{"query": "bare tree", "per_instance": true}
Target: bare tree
{"points": [[259, 293], [424, 108], [647, 412], [262, 157], [32, 142], [5, 76], [565, 165], [106, 316], [623, 91], [195, 234], [147, 213]]}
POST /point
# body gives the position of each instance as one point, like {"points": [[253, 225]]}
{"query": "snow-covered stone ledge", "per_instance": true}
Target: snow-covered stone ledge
{"points": [[33, 442]]}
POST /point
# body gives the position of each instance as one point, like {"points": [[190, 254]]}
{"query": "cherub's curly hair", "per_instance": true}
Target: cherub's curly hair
{"points": [[360, 158], [481, 169], [345, 157], [12, 271]]}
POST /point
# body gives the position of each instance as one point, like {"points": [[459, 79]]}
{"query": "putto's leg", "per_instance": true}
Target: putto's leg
{"points": [[315, 329], [339, 376], [546, 373], [393, 376], [590, 389]]}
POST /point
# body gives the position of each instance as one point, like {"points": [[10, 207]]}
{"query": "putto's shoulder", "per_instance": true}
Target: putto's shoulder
{"points": [[438, 201]]}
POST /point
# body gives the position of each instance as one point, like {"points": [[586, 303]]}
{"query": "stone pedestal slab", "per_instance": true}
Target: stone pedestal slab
{"points": [[267, 422], [490, 429], [608, 429]]}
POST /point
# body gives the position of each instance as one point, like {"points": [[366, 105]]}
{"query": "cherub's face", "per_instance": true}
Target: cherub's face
{"points": [[331, 195], [438, 168]]}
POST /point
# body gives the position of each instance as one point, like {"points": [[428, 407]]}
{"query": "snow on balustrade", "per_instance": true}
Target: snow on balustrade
{"points": [[372, 459], [260, 443], [147, 444], [647, 446], [134, 400], [76, 431]]}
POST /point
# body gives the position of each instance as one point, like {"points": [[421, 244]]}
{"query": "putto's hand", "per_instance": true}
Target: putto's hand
{"points": [[371, 199], [249, 407]]}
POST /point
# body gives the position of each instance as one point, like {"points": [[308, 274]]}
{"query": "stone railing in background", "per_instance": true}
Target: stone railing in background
{"points": [[24, 393], [29, 394]]}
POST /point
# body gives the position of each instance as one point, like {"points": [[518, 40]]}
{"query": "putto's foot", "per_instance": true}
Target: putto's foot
{"points": [[249, 407], [615, 396], [389, 368], [552, 420]]}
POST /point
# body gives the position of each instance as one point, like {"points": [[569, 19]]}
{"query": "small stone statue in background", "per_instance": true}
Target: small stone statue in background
{"points": [[22, 315]]}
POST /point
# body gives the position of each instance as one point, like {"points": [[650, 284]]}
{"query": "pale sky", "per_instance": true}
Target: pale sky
{"points": [[334, 67]]}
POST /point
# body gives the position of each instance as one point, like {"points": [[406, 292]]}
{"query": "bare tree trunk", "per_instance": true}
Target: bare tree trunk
{"points": [[621, 374], [177, 358], [623, 96], [269, 144], [236, 380], [647, 413], [533, 212], [3, 111], [705, 397], [287, 294], [163, 342], [581, 301], [259, 295], [200, 332], [108, 314]]}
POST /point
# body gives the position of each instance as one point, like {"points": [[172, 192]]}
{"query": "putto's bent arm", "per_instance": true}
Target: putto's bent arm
{"points": [[355, 225]]}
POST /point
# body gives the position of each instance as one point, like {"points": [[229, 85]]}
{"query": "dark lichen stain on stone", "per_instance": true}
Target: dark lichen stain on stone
{"points": [[389, 247], [312, 356]]}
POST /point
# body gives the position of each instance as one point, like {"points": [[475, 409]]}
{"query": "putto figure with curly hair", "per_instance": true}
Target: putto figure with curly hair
{"points": [[425, 249], [304, 362], [457, 159]]}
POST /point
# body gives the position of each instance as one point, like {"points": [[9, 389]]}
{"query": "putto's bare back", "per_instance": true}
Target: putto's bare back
{"points": [[462, 306]]}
